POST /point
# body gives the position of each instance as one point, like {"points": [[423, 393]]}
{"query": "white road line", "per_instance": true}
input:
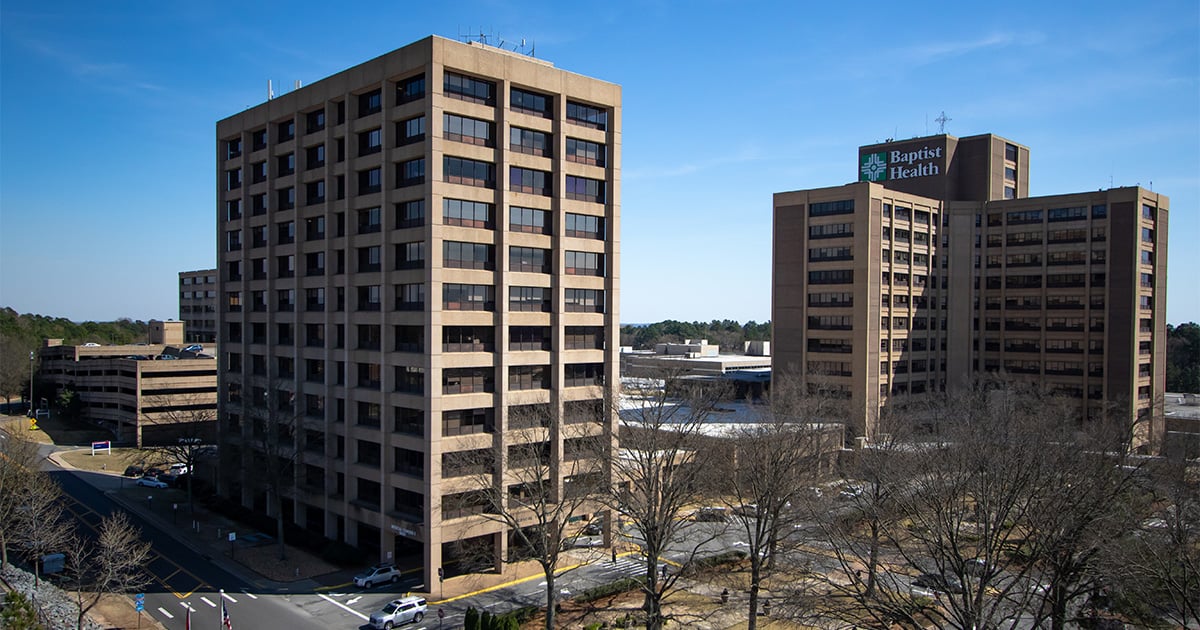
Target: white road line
{"points": [[231, 600], [187, 606], [247, 594], [352, 600], [343, 606], [207, 601], [169, 615]]}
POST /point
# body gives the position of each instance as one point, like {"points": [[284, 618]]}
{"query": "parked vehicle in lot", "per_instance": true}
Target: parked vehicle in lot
{"points": [[179, 469], [151, 482], [194, 348], [938, 582], [977, 567], [593, 529], [385, 572], [399, 611], [134, 471]]}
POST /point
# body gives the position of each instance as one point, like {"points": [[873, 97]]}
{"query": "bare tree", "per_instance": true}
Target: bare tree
{"points": [[112, 564], [18, 469], [273, 440], [14, 366], [40, 527], [658, 473], [777, 461], [188, 423], [1158, 564], [536, 495]]}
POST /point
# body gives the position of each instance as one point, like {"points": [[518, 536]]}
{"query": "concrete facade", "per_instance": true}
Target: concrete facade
{"points": [[945, 269], [144, 400], [198, 305], [408, 250]]}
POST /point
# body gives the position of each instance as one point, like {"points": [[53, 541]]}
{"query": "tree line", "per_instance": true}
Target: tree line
{"points": [[1183, 358], [727, 333]]}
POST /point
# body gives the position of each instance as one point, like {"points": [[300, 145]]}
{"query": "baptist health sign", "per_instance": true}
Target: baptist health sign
{"points": [[885, 166]]}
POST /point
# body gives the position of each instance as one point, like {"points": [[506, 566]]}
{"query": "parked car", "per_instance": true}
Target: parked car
{"points": [[746, 510], [194, 348], [938, 582], [153, 471], [977, 567], [711, 515], [134, 471], [593, 529], [91, 344], [179, 469], [385, 572], [151, 482], [399, 611]]}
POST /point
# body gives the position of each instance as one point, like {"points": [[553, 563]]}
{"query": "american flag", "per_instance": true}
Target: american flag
{"points": [[226, 624], [187, 620]]}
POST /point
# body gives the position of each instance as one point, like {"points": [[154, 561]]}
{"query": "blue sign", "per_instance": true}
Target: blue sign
{"points": [[139, 602]]}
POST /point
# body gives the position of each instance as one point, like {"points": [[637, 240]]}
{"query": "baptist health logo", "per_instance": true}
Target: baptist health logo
{"points": [[873, 167]]}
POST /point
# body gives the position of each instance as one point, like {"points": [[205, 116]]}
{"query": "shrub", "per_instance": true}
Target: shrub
{"points": [[605, 590], [471, 619], [721, 559]]}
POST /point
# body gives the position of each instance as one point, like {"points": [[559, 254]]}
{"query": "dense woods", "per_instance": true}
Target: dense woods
{"points": [[726, 333]]}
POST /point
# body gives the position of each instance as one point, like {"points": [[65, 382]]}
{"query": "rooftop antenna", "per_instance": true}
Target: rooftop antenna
{"points": [[941, 121], [270, 90]]}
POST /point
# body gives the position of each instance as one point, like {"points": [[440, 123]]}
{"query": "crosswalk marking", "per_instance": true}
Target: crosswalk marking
{"points": [[208, 601], [232, 600], [164, 611]]}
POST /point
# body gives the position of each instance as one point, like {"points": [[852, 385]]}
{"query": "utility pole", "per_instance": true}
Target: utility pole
{"points": [[31, 383]]}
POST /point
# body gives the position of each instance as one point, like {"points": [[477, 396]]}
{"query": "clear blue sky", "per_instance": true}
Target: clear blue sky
{"points": [[108, 113]]}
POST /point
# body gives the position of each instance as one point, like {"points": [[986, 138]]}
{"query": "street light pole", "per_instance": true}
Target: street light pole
{"points": [[31, 383]]}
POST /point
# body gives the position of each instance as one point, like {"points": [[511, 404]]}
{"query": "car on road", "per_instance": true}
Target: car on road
{"points": [[399, 611], [151, 482], [938, 582], [711, 515], [378, 574], [194, 348], [91, 344]]}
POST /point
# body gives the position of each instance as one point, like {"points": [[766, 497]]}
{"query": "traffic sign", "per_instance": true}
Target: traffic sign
{"points": [[139, 602], [441, 614]]}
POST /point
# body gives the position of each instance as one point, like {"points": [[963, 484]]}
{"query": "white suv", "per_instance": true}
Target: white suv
{"points": [[399, 611], [377, 574]]}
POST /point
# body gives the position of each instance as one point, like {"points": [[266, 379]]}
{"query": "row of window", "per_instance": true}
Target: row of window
{"points": [[1023, 217], [408, 338], [454, 85], [411, 297]]}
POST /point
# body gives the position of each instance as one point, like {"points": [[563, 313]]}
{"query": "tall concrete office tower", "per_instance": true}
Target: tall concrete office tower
{"points": [[937, 266], [410, 250]]}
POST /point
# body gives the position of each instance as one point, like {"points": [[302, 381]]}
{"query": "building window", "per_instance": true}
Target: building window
{"points": [[368, 298], [410, 131], [529, 299], [369, 337], [827, 208], [370, 103], [525, 338], [530, 103], [461, 255], [584, 300], [583, 374], [585, 189], [369, 259], [285, 131], [410, 173], [840, 276], [285, 164], [233, 148], [587, 115], [529, 181], [285, 198], [369, 220], [410, 297], [409, 338], [522, 377], [258, 204], [410, 213], [233, 209], [583, 338], [314, 192], [816, 254], [529, 141], [467, 130], [584, 263], [468, 380], [467, 422], [529, 220], [469, 89], [1010, 192], [314, 300], [233, 240], [468, 339], [1067, 214], [410, 255], [529, 259], [410, 89], [1023, 217], [838, 230], [468, 297], [370, 181], [258, 140], [285, 299], [585, 152], [233, 179], [285, 266], [314, 228], [285, 232], [370, 142], [315, 121], [474, 214], [468, 172], [584, 226]]}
